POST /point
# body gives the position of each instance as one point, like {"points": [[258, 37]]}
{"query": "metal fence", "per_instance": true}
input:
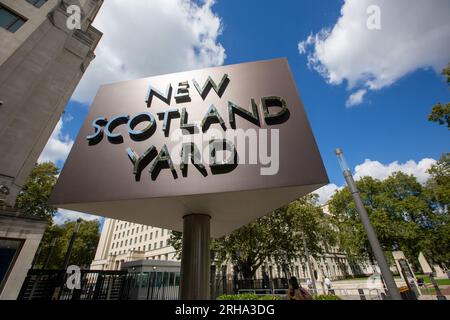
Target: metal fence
{"points": [[279, 286], [223, 286], [343, 293], [94, 285], [100, 285], [124, 285]]}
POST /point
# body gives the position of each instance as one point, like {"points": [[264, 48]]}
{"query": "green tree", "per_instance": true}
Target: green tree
{"points": [[441, 112], [33, 199], [438, 192], [84, 247], [351, 236], [439, 183], [36, 192], [402, 213], [277, 237]]}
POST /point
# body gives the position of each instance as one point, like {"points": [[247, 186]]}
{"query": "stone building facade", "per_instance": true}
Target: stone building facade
{"points": [[42, 59], [41, 63], [122, 242]]}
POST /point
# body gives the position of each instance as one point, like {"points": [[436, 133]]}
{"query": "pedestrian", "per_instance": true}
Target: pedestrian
{"points": [[327, 282], [309, 284], [266, 280], [296, 292]]}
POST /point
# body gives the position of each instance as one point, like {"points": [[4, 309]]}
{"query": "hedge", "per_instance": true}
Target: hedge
{"points": [[247, 296]]}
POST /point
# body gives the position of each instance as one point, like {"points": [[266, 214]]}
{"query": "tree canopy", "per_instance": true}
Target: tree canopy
{"points": [[36, 192], [83, 250], [406, 215], [33, 200], [441, 112], [277, 237]]}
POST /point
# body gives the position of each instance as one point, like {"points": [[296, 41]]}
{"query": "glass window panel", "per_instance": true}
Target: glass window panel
{"points": [[9, 249], [6, 18], [16, 25], [37, 3], [166, 279], [10, 20]]}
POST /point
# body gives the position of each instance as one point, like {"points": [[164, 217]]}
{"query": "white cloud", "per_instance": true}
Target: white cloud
{"points": [[325, 193], [356, 98], [380, 171], [58, 146], [152, 37], [414, 34], [67, 117], [64, 215], [377, 170]]}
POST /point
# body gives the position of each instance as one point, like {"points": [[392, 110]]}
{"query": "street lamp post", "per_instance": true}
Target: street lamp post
{"points": [[393, 292], [72, 240], [309, 266], [49, 254], [36, 257]]}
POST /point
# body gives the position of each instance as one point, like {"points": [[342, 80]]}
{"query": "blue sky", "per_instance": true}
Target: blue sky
{"points": [[388, 125]]}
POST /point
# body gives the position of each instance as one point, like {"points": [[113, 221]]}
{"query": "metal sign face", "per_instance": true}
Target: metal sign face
{"points": [[232, 142]]}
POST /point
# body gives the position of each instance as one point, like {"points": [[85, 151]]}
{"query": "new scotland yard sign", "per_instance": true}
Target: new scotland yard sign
{"points": [[232, 142]]}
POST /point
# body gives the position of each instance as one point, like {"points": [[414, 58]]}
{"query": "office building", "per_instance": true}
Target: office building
{"points": [[42, 59]]}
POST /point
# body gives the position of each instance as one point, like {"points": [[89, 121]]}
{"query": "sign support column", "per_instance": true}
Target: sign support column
{"points": [[388, 278], [195, 258]]}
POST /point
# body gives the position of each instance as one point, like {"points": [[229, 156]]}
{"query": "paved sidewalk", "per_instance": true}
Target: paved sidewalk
{"points": [[348, 289]]}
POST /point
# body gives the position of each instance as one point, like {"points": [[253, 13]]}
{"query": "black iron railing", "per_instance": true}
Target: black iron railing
{"points": [[123, 285], [94, 285], [100, 285]]}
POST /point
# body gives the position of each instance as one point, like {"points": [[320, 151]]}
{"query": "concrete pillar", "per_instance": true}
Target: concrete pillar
{"points": [[195, 258]]}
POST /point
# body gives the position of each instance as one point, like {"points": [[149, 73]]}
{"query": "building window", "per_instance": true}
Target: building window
{"points": [[151, 236], [156, 234], [10, 20], [160, 244], [37, 3], [9, 251]]}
